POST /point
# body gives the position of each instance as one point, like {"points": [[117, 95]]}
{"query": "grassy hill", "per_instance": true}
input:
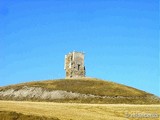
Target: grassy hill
{"points": [[84, 90]]}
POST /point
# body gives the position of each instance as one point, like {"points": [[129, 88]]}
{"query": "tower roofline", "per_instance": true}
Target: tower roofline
{"points": [[76, 52]]}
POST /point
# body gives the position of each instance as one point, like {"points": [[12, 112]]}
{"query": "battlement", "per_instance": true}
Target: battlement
{"points": [[74, 65]]}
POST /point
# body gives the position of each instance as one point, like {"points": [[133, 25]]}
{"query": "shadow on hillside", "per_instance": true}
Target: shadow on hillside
{"points": [[6, 115]]}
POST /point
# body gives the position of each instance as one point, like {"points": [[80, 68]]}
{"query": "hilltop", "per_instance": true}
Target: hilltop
{"points": [[82, 90]]}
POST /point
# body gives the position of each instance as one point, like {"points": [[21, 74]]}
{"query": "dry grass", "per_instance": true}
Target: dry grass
{"points": [[84, 86], [9, 115], [116, 93], [75, 111]]}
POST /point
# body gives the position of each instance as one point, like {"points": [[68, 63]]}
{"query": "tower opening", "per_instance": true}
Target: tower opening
{"points": [[79, 67]]}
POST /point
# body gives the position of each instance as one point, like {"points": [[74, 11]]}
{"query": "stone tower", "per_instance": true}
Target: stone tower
{"points": [[74, 65]]}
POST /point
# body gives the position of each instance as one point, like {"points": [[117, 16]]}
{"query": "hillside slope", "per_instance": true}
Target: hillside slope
{"points": [[86, 90]]}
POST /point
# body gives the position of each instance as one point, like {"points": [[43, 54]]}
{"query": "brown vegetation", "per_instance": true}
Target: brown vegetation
{"points": [[76, 111], [103, 91], [8, 115]]}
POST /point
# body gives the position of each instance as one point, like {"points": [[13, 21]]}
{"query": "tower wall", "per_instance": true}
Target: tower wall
{"points": [[74, 65]]}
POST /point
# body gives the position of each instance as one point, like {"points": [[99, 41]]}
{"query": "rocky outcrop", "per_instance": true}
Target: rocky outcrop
{"points": [[40, 93]]}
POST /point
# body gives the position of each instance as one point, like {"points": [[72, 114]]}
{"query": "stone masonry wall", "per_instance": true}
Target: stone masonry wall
{"points": [[74, 65]]}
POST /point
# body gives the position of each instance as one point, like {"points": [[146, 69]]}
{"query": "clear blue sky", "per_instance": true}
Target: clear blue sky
{"points": [[119, 37]]}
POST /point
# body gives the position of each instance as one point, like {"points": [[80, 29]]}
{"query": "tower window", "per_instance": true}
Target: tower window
{"points": [[79, 66]]}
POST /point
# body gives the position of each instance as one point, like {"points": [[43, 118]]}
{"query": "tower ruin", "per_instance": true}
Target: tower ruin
{"points": [[74, 65]]}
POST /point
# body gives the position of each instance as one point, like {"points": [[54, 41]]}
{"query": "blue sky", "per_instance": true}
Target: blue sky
{"points": [[119, 38]]}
